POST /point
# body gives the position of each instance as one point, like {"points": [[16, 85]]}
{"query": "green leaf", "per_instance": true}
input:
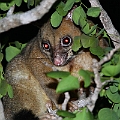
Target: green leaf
{"points": [[60, 9], [3, 6], [105, 35], [100, 32], [25, 1], [77, 14], [102, 93], [1, 96], [93, 11], [113, 88], [3, 87], [55, 19], [11, 52], [18, 2], [23, 45], [87, 30], [107, 114], [69, 5], [97, 51], [65, 114], [76, 44], [114, 97], [58, 74], [68, 118], [111, 70], [30, 3], [18, 44], [116, 108], [76, 1], [10, 91], [85, 40], [82, 22], [37, 2], [87, 77], [84, 115], [6, 6], [1, 57], [1, 72], [93, 30], [88, 41], [67, 84]]}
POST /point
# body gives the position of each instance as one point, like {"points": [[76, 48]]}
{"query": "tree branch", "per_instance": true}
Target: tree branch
{"points": [[2, 117], [114, 35], [12, 21]]}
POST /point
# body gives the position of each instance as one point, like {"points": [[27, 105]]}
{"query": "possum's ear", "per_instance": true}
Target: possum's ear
{"points": [[70, 13]]}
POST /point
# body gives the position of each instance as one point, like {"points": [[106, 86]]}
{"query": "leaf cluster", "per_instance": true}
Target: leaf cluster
{"points": [[6, 4], [90, 37], [11, 51], [4, 86], [72, 82], [83, 114], [110, 71]]}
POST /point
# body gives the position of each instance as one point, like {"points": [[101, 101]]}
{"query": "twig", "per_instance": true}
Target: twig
{"points": [[67, 97], [96, 66], [109, 55], [114, 35], [11, 10], [1, 111]]}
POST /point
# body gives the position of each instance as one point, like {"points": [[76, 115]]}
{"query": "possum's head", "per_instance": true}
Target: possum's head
{"points": [[56, 43]]}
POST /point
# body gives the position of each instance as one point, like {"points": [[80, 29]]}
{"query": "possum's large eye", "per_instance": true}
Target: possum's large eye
{"points": [[66, 41], [46, 45]]}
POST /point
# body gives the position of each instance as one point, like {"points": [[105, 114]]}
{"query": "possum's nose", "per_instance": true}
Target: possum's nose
{"points": [[59, 59]]}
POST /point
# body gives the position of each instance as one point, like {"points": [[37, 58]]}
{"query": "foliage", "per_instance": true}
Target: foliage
{"points": [[6, 4], [90, 36], [84, 114], [4, 86], [89, 39], [10, 52], [64, 78]]}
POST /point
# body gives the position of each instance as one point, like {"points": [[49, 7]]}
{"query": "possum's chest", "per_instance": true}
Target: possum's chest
{"points": [[82, 61]]}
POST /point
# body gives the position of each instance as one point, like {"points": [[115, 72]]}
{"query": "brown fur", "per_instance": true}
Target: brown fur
{"points": [[26, 72]]}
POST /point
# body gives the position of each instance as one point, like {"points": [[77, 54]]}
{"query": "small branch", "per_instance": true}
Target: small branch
{"points": [[93, 98], [107, 23], [15, 20], [64, 104], [107, 81], [1, 111], [114, 35], [109, 55], [10, 11]]}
